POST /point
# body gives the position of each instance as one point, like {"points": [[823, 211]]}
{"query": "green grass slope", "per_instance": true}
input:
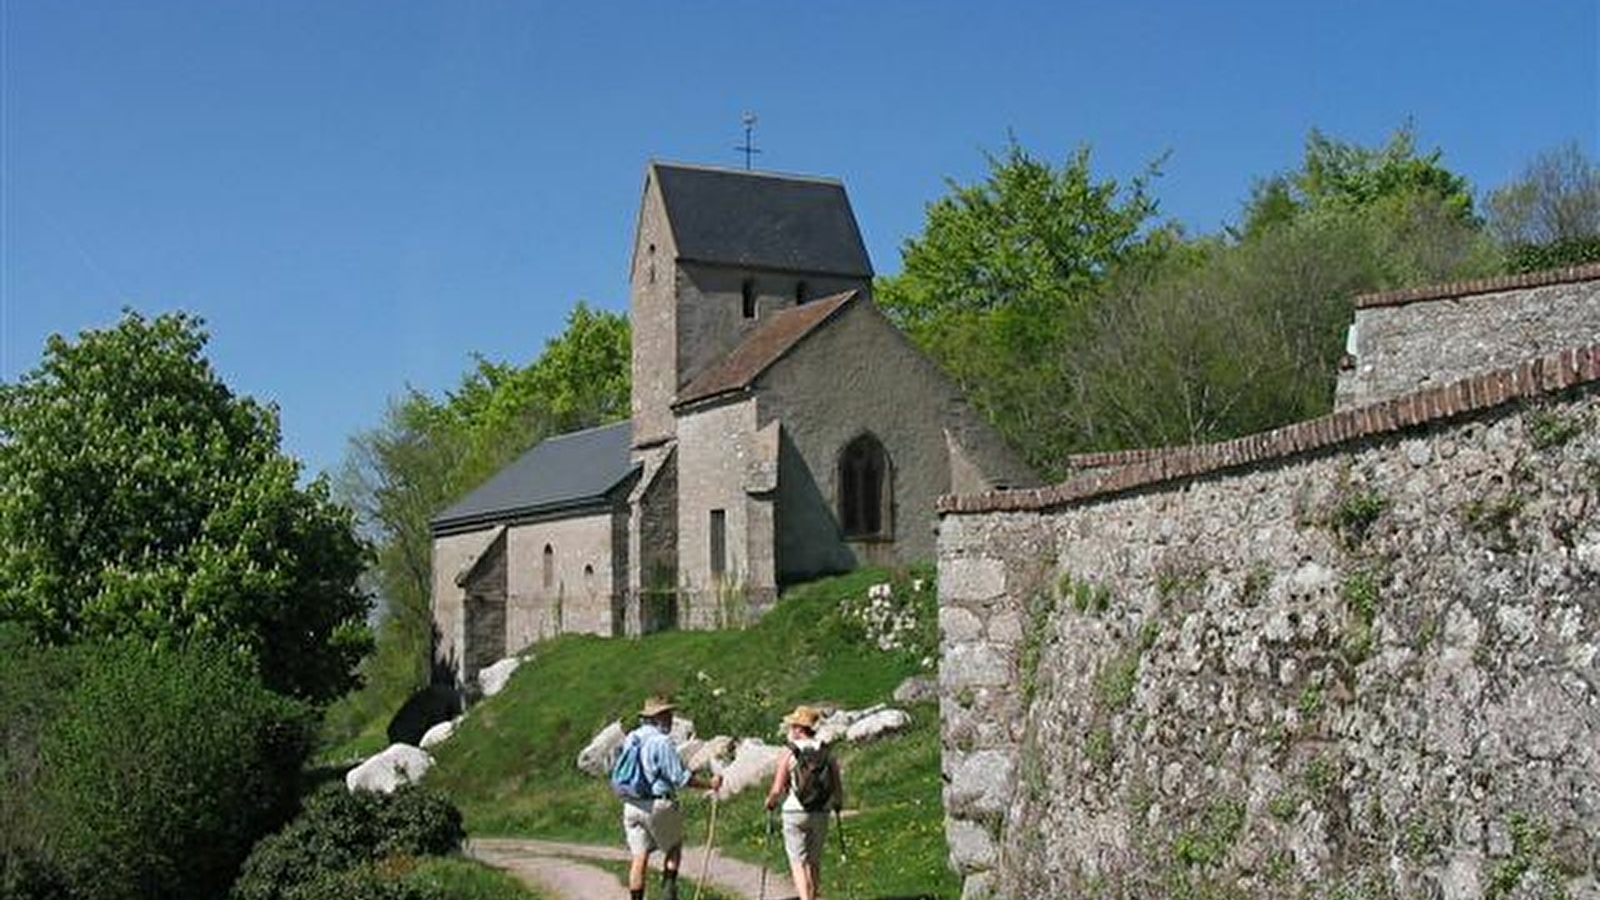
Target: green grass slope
{"points": [[511, 765]]}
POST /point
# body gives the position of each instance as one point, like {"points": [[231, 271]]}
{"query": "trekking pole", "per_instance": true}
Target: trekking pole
{"points": [[711, 839], [766, 856], [844, 854]]}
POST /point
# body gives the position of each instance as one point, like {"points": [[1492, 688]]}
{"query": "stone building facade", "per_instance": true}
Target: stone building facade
{"points": [[1355, 656], [782, 428]]}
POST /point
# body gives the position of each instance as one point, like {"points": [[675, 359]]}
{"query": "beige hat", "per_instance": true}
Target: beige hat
{"points": [[804, 716], [655, 706]]}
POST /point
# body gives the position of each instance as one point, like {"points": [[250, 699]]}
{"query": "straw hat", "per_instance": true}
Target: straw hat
{"points": [[655, 706], [804, 716]]}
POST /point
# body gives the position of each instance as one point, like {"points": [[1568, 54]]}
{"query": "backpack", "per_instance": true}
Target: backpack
{"points": [[812, 777], [628, 778]]}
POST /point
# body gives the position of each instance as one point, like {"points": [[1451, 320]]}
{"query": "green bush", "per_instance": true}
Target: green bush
{"points": [[162, 769], [341, 831], [34, 683], [1555, 255]]}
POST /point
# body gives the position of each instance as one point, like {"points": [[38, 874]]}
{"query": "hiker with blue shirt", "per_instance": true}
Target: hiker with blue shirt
{"points": [[656, 822]]}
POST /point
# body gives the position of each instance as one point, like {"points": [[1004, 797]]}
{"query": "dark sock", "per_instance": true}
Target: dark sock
{"points": [[669, 886]]}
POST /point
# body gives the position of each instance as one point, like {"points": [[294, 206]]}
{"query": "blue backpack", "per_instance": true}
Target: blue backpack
{"points": [[628, 778]]}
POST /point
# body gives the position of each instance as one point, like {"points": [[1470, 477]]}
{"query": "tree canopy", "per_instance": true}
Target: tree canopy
{"points": [[140, 497]]}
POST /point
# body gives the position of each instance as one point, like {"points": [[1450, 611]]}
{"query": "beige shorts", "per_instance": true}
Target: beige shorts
{"points": [[652, 825], [804, 834]]}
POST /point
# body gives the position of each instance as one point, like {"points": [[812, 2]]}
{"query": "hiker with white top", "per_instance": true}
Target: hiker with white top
{"points": [[808, 786], [648, 775]]}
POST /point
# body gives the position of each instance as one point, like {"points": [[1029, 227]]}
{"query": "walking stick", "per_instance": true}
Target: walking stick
{"points": [[844, 854], [766, 856], [711, 837]]}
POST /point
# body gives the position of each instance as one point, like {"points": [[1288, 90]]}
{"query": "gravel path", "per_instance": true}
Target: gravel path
{"points": [[558, 868]]}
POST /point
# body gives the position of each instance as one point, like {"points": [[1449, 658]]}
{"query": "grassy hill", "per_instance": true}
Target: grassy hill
{"points": [[511, 765]]}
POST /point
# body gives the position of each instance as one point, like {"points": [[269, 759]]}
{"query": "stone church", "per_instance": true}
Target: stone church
{"points": [[782, 429]]}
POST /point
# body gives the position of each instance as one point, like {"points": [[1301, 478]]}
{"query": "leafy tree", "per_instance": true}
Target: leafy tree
{"points": [[1340, 177], [162, 770], [1006, 270], [428, 452], [1556, 199], [140, 497]]}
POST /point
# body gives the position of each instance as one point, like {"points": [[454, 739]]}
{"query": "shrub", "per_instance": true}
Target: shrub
{"points": [[340, 832], [34, 683], [163, 767]]}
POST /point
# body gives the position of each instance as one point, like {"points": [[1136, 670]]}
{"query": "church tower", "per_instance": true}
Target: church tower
{"points": [[715, 251]]}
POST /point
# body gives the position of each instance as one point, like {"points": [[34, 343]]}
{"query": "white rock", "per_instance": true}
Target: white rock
{"points": [[709, 754], [397, 765], [917, 689], [438, 734], [597, 757], [753, 765], [878, 724], [493, 679]]}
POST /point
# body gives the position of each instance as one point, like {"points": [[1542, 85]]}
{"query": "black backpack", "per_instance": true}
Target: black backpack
{"points": [[812, 777]]}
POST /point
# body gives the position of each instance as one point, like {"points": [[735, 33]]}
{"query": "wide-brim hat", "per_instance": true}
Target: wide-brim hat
{"points": [[804, 716], [655, 706]]}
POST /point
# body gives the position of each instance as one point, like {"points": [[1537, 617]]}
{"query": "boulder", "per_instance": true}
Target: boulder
{"points": [[438, 734], [753, 764], [712, 754], [397, 765], [917, 689], [493, 679], [877, 725], [597, 757]]}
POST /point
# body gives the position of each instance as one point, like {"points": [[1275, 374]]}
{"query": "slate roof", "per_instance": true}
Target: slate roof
{"points": [[562, 473], [776, 336], [762, 220]]}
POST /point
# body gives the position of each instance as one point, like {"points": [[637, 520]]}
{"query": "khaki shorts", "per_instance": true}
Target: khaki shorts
{"points": [[652, 825], [804, 834]]}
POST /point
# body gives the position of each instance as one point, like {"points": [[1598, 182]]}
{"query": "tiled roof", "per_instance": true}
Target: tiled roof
{"points": [[766, 345], [762, 220], [563, 472]]}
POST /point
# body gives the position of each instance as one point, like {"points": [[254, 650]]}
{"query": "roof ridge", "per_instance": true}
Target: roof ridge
{"points": [[753, 173]]}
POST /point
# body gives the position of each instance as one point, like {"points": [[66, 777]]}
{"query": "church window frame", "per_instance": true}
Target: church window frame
{"points": [[718, 544], [747, 298], [865, 489], [547, 571]]}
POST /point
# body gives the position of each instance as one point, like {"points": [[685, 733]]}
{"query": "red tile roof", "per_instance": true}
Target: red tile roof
{"points": [[774, 338]]}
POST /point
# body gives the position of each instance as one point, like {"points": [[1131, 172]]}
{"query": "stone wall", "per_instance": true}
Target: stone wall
{"points": [[1405, 341], [1356, 657]]}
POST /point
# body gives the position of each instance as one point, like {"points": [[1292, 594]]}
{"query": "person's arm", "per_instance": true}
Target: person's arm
{"points": [[780, 782]]}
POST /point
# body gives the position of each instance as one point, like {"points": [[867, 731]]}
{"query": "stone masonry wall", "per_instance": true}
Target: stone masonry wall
{"points": [[1405, 341], [1357, 657]]}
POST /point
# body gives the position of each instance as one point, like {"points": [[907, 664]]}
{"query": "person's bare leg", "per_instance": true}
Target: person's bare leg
{"points": [[637, 868], [804, 887]]}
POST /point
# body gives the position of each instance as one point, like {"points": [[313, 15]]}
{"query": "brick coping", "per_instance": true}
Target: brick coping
{"points": [[1495, 285], [1536, 377]]}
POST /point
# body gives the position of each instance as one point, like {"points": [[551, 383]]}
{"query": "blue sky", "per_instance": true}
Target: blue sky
{"points": [[358, 195]]}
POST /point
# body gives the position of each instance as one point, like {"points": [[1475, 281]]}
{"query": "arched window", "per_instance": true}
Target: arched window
{"points": [[547, 576], [864, 489], [747, 296]]}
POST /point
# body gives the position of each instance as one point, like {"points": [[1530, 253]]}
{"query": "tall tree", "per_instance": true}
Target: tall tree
{"points": [[1008, 268], [140, 497], [1557, 198]]}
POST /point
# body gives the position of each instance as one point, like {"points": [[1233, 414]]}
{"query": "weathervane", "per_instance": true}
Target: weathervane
{"points": [[749, 149]]}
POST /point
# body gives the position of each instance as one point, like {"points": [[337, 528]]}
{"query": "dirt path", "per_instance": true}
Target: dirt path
{"points": [[558, 868]]}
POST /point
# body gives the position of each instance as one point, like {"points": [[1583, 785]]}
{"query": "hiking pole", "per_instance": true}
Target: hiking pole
{"points": [[711, 838], [844, 854], [766, 856]]}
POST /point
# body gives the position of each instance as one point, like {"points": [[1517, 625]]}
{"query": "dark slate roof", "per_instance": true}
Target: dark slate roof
{"points": [[776, 336], [561, 473], [762, 220]]}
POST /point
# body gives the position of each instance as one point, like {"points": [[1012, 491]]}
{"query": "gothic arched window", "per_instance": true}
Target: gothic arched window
{"points": [[864, 489], [547, 575]]}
